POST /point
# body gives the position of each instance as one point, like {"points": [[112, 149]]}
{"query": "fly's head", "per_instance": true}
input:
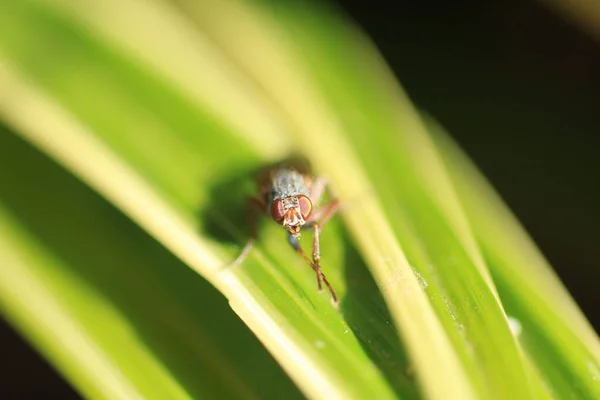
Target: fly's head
{"points": [[292, 212]]}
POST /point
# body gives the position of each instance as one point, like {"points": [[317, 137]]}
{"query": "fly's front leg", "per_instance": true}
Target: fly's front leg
{"points": [[320, 218], [317, 268], [254, 205], [316, 250], [323, 214], [316, 262], [296, 245]]}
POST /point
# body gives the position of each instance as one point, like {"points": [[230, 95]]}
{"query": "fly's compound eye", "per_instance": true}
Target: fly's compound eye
{"points": [[305, 207], [277, 210]]}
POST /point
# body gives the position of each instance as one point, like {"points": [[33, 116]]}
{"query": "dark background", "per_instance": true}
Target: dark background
{"points": [[518, 87]]}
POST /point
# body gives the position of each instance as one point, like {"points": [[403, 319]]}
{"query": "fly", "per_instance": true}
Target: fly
{"points": [[292, 199]]}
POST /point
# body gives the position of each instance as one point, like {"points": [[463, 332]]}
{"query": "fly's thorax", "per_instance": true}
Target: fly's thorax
{"points": [[287, 183]]}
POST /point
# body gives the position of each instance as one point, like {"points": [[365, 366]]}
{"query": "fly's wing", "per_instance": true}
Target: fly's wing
{"points": [[296, 162]]}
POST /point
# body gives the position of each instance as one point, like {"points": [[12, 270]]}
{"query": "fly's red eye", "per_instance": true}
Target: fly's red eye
{"points": [[305, 207], [277, 210]]}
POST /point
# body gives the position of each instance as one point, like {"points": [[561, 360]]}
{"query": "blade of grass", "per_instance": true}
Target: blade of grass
{"points": [[555, 334], [107, 304], [260, 315], [282, 307], [342, 123], [156, 35]]}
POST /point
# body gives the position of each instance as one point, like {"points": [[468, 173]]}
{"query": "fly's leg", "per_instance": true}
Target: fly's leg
{"points": [[320, 276], [316, 250], [317, 189], [323, 215], [296, 245], [316, 263], [254, 204]]}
